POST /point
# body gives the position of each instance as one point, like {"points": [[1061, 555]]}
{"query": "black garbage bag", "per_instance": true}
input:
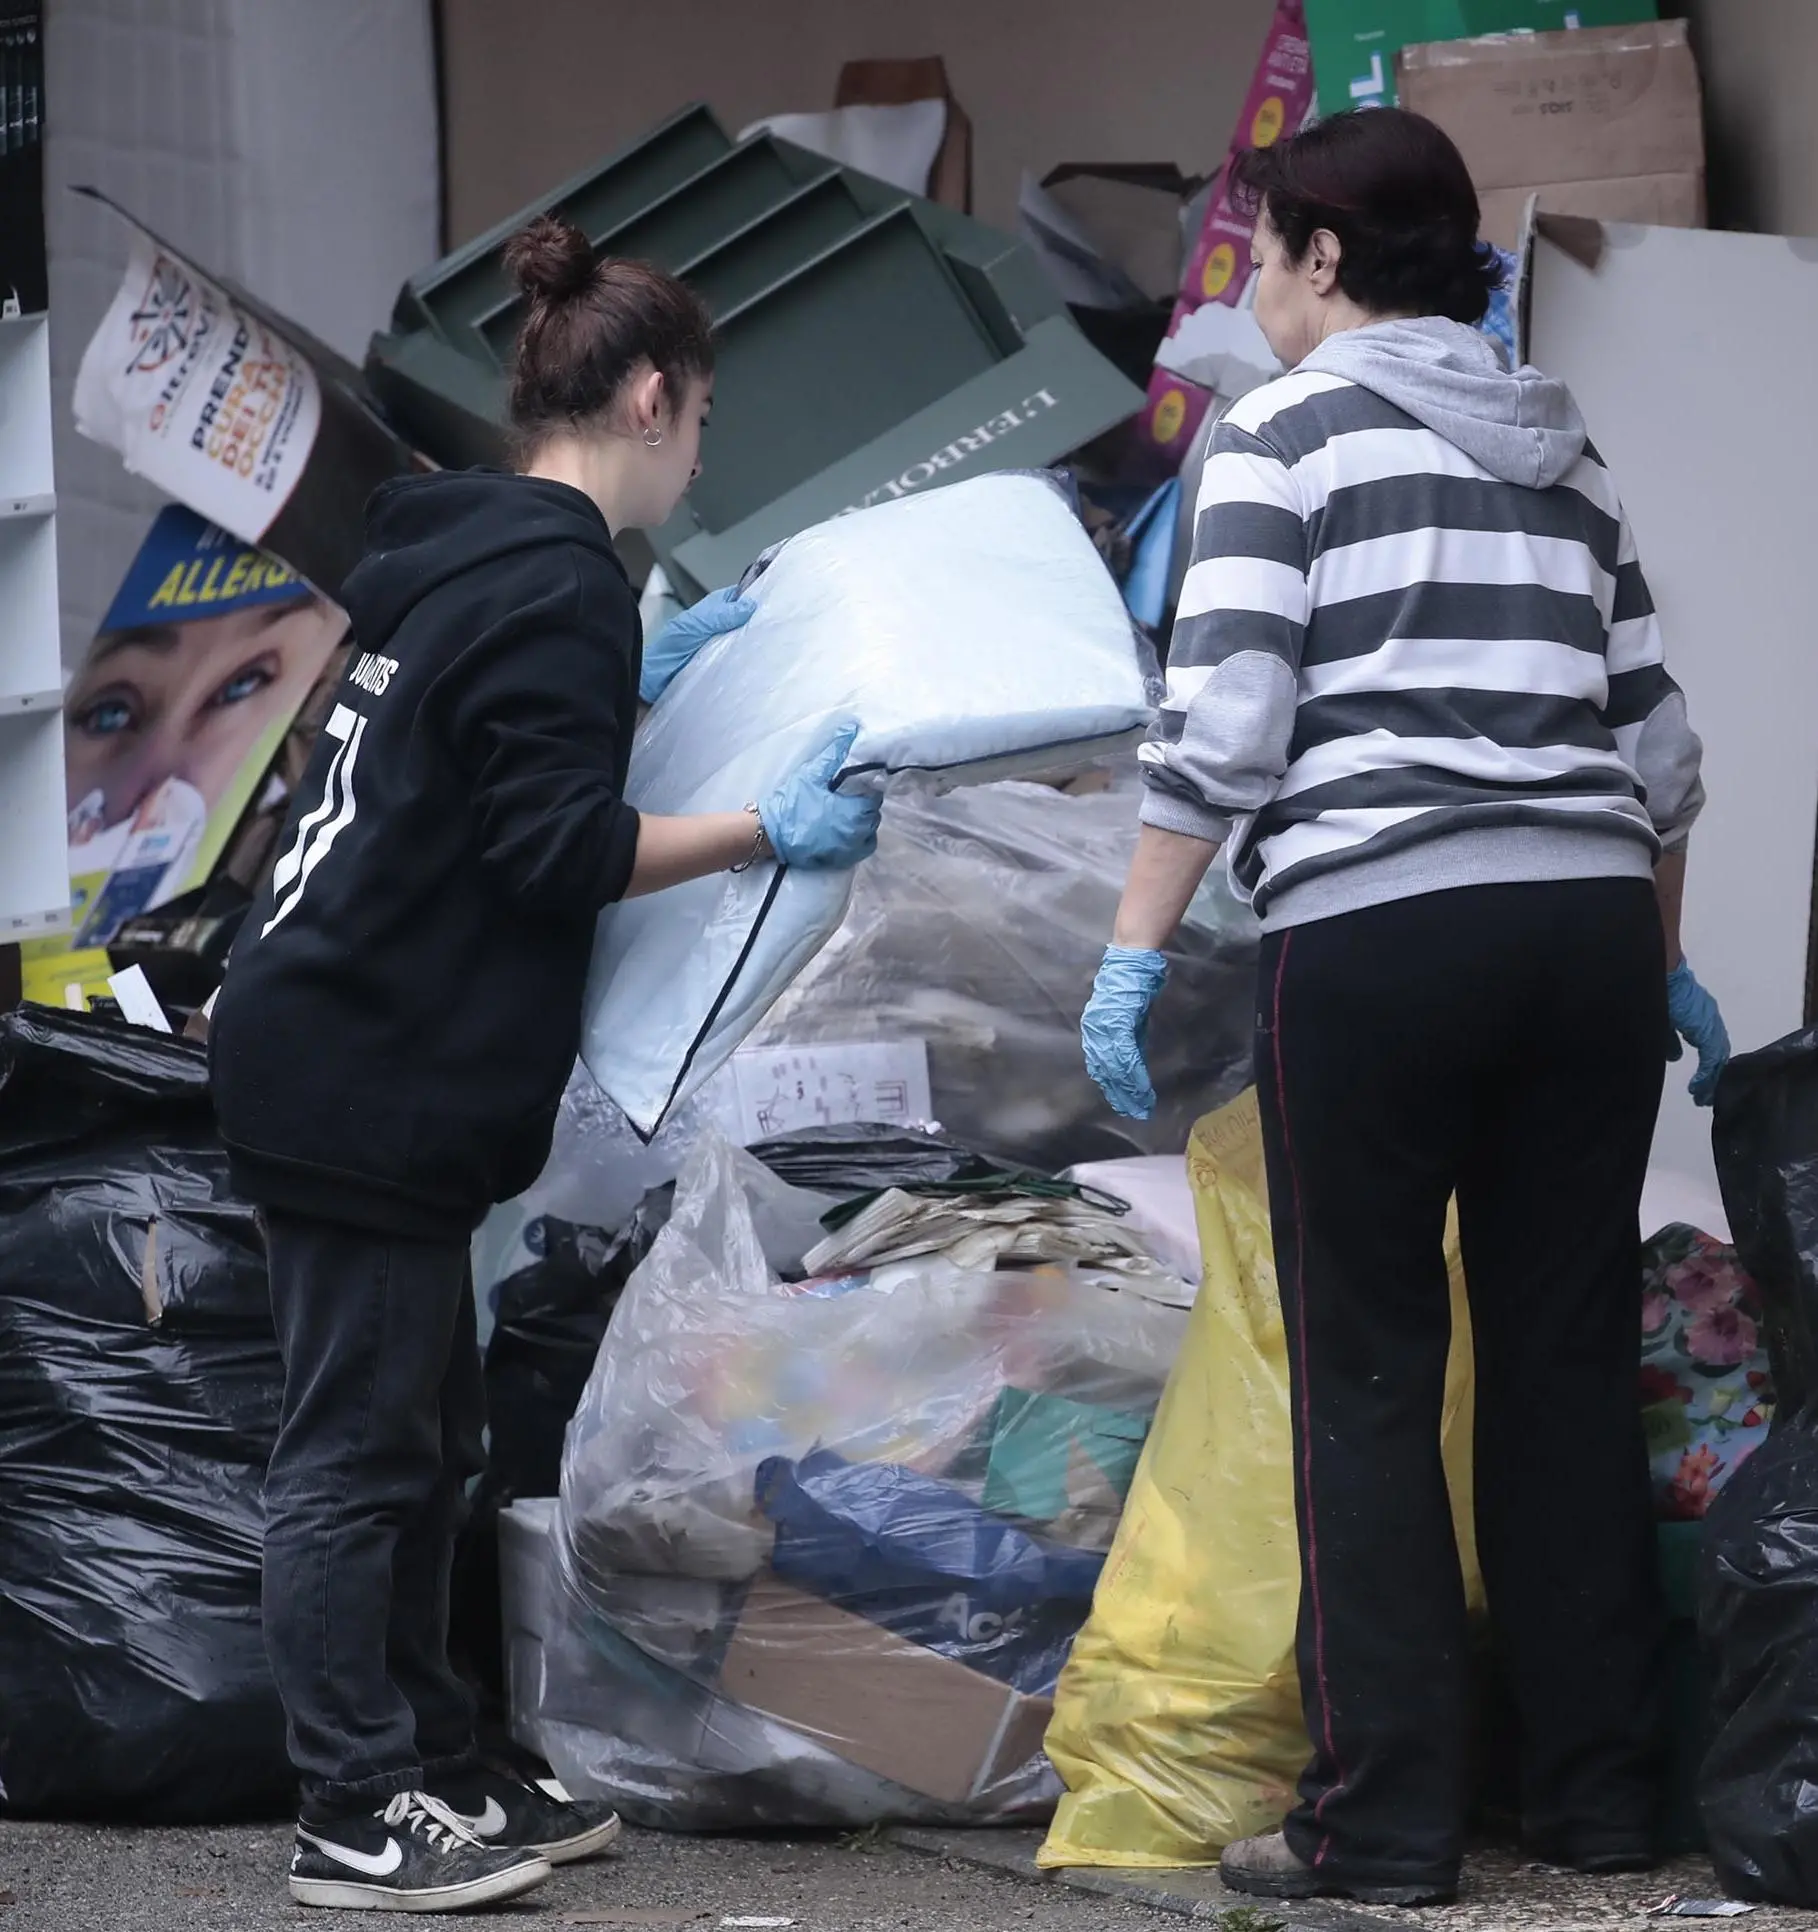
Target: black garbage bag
{"points": [[548, 1322], [1758, 1594], [1758, 1618], [1765, 1137], [140, 1385], [859, 1157]]}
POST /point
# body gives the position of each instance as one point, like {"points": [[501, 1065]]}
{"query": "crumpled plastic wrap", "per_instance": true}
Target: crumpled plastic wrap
{"points": [[978, 928], [968, 632], [701, 1682]]}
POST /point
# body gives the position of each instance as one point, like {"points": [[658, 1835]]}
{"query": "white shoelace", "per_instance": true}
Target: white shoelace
{"points": [[431, 1820]]}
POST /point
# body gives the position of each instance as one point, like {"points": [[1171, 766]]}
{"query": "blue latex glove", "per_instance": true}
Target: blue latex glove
{"points": [[1697, 1021], [814, 827], [1114, 1029], [685, 633]]}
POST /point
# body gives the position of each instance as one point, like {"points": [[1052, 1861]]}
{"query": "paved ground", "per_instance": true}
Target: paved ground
{"points": [[67, 1878], [1502, 1892]]}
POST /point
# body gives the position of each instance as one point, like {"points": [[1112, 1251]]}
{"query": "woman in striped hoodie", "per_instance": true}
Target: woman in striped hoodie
{"points": [[1416, 690]]}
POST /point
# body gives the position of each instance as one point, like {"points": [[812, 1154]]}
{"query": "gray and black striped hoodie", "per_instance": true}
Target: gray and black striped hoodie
{"points": [[1415, 649]]}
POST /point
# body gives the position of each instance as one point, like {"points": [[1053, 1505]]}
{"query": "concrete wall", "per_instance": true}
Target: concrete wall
{"points": [[1760, 65], [537, 90]]}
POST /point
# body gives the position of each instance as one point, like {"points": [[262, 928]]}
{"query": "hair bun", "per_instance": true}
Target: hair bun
{"points": [[551, 258]]}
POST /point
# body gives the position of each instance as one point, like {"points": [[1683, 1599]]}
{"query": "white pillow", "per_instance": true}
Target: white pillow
{"points": [[970, 633]]}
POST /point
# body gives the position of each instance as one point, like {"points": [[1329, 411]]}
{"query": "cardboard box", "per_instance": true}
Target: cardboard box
{"points": [[1603, 104], [1281, 91], [1172, 413], [1278, 103], [889, 1706], [1355, 42], [1132, 212], [1218, 270], [527, 1612], [1653, 200]]}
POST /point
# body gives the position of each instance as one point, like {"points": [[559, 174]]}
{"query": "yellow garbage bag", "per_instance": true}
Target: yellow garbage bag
{"points": [[1177, 1722]]}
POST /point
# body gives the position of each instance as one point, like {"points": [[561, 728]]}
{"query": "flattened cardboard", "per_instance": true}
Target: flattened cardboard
{"points": [[889, 1706], [1652, 200], [1596, 104], [1133, 213]]}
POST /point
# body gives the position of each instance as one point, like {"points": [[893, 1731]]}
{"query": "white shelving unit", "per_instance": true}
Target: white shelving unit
{"points": [[34, 856]]}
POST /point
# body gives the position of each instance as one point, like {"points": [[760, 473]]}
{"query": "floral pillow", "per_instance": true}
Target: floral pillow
{"points": [[1706, 1396]]}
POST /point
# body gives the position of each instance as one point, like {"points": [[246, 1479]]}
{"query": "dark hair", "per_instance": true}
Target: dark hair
{"points": [[592, 322], [1395, 191]]}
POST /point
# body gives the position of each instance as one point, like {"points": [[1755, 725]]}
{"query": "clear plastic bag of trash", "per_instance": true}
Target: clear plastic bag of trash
{"points": [[885, 1498], [977, 929], [968, 633]]}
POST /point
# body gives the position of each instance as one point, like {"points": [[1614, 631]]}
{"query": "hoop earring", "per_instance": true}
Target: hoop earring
{"points": [[653, 438]]}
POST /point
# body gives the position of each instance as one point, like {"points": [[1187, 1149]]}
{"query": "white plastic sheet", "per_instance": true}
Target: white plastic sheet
{"points": [[970, 632]]}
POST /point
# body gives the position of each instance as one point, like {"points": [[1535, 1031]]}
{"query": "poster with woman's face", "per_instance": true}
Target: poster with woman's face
{"points": [[203, 661]]}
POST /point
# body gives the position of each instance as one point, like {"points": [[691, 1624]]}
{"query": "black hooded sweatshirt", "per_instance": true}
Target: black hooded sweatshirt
{"points": [[403, 1005]]}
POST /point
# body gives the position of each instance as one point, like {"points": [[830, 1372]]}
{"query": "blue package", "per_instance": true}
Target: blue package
{"points": [[924, 1561], [1499, 323]]}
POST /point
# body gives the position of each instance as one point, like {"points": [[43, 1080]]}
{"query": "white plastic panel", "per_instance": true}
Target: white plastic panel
{"points": [[31, 676], [34, 860], [1690, 354], [25, 411]]}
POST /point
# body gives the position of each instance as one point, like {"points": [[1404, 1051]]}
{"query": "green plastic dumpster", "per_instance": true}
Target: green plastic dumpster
{"points": [[872, 343]]}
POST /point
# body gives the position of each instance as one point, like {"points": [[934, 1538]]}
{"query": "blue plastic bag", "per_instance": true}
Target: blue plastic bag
{"points": [[929, 1564]]}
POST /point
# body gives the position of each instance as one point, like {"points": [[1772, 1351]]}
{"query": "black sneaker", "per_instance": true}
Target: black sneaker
{"points": [[412, 1855], [502, 1810]]}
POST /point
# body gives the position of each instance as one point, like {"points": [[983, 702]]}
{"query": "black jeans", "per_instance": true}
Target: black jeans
{"points": [[384, 1409], [1504, 1044]]}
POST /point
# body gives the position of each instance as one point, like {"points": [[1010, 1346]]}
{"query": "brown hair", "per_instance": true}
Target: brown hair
{"points": [[1395, 191], [592, 323]]}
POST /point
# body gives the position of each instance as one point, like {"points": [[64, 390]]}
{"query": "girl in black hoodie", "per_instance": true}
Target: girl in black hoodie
{"points": [[401, 1015]]}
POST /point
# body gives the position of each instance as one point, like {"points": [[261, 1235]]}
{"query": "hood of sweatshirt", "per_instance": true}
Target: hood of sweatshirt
{"points": [[421, 531], [1522, 426]]}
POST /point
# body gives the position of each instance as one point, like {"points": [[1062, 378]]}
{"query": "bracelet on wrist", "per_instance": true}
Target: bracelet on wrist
{"points": [[761, 848]]}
